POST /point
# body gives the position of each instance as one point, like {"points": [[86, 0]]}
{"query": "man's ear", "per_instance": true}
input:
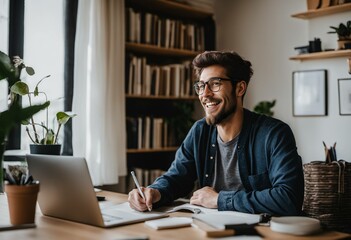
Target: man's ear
{"points": [[241, 88]]}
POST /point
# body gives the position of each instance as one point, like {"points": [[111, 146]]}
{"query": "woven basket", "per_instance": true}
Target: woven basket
{"points": [[328, 193]]}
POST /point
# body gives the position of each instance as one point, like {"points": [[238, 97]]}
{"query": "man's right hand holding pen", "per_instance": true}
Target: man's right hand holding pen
{"points": [[141, 198], [137, 202]]}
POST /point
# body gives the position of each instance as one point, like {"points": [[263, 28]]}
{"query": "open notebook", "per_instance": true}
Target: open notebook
{"points": [[67, 192]]}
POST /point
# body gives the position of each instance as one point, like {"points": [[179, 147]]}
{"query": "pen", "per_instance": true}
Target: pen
{"points": [[139, 188]]}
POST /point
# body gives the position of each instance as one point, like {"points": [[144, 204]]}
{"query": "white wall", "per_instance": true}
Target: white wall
{"points": [[264, 33]]}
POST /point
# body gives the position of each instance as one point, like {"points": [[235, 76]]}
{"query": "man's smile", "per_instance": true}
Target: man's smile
{"points": [[211, 104]]}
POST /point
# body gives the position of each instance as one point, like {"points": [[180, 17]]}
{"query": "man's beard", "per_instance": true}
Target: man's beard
{"points": [[222, 115]]}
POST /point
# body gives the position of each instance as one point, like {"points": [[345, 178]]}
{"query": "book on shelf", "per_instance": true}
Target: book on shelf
{"points": [[132, 132], [145, 176], [140, 133], [171, 80], [149, 28], [147, 132]]}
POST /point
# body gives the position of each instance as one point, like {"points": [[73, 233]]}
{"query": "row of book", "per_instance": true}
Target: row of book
{"points": [[145, 177], [148, 28], [148, 133], [155, 80]]}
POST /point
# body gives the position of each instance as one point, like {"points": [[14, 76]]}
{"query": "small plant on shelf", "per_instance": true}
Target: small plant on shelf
{"points": [[343, 30], [344, 34], [264, 107]]}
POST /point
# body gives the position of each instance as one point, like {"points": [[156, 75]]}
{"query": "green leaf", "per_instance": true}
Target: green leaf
{"points": [[20, 88], [49, 137], [6, 67], [264, 107], [14, 115], [63, 117], [36, 91], [25, 122], [30, 71]]}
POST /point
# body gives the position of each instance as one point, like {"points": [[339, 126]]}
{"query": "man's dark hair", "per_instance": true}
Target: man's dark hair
{"points": [[236, 67]]}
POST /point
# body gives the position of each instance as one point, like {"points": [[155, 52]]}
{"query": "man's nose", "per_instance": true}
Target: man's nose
{"points": [[207, 90]]}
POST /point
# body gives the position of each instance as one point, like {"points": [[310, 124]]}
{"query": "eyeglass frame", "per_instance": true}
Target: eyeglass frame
{"points": [[207, 83]]}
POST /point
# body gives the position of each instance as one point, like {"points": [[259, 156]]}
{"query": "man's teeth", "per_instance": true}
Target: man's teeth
{"points": [[210, 104]]}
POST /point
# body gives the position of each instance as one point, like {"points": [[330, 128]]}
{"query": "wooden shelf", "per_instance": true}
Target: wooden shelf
{"points": [[165, 107], [169, 8], [321, 55], [323, 11], [155, 50], [190, 98], [153, 150]]}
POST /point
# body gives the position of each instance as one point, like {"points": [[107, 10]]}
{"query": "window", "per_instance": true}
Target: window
{"points": [[44, 51]]}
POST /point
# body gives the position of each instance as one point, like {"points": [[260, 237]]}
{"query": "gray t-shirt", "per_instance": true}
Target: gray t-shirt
{"points": [[226, 172]]}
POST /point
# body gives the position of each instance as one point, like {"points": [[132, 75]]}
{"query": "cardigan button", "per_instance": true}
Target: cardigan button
{"points": [[211, 157], [206, 175], [213, 145]]}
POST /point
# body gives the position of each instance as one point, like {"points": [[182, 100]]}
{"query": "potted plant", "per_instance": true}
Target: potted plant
{"points": [[264, 107], [22, 193], [47, 142], [15, 114], [344, 34]]}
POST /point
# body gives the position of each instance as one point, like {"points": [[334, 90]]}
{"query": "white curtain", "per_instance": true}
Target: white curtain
{"points": [[99, 101]]}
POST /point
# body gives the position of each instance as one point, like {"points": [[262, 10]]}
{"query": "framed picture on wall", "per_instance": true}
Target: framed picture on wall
{"points": [[344, 85], [310, 93]]}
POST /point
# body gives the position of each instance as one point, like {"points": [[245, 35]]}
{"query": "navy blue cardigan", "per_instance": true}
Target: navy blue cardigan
{"points": [[269, 165]]}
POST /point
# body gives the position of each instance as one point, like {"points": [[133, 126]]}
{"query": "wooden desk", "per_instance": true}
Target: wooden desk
{"points": [[53, 228]]}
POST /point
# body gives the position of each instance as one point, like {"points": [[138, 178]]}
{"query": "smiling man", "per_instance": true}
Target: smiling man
{"points": [[242, 161]]}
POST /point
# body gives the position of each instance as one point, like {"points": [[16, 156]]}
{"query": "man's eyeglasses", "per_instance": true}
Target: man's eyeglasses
{"points": [[214, 84]]}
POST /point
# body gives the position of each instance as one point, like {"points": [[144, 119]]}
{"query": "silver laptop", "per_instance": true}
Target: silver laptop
{"points": [[67, 192]]}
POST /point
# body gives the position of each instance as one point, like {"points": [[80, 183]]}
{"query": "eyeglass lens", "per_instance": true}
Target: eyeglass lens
{"points": [[213, 84]]}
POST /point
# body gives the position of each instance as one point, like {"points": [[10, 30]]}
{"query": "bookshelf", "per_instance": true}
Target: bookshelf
{"points": [[162, 38]]}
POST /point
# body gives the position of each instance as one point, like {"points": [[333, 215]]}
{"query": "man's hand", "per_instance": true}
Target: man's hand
{"points": [[137, 202], [206, 197]]}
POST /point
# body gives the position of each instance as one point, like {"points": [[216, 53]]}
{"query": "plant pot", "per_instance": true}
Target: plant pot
{"points": [[344, 44], [22, 200], [51, 149]]}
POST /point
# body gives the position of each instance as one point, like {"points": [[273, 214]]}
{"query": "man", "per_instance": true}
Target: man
{"points": [[242, 161]]}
